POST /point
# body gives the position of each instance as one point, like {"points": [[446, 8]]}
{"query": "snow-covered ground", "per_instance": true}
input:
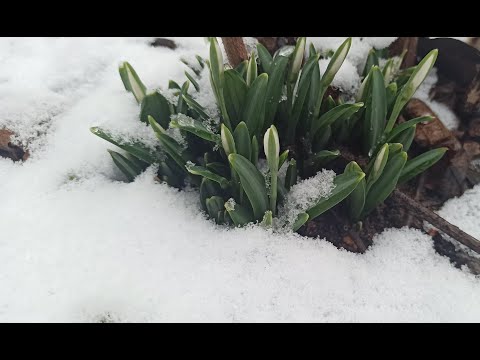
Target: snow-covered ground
{"points": [[77, 244]]}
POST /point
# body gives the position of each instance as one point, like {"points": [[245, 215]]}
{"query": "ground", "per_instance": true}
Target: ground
{"points": [[78, 244]]}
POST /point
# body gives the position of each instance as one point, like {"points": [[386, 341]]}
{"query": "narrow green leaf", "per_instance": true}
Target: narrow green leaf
{"points": [[267, 220], [201, 171], [336, 62], [296, 59], [376, 169], [264, 57], [252, 182], [173, 85], [171, 147], [251, 69], [128, 168], [321, 158], [376, 112], [386, 183], [372, 60], [278, 71], [136, 149], [300, 96], [208, 188], [196, 106], [356, 200], [235, 92], [239, 214], [241, 69], [132, 82], [405, 137], [344, 185], [193, 81], [421, 163], [408, 90], [255, 150], [228, 142], [291, 176], [193, 126], [283, 157], [242, 139], [254, 110], [338, 112], [302, 218], [387, 71], [403, 126], [214, 206], [391, 93], [155, 105], [182, 107]]}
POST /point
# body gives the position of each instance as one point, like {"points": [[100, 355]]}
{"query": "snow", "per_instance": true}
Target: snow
{"points": [[443, 112], [306, 194], [77, 245]]}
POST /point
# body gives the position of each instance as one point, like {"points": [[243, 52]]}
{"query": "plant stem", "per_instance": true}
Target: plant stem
{"points": [[440, 223]]}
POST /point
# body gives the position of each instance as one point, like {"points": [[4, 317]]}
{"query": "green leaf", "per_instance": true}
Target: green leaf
{"points": [[271, 146], [408, 90], [254, 110], [171, 147], [155, 105], [344, 185], [387, 71], [217, 78], [291, 176], [376, 112], [338, 112], [264, 57], [405, 137], [386, 183], [193, 126], [267, 220], [300, 96], [407, 124], [376, 169], [182, 107], [235, 92], [390, 93], [251, 69], [138, 150], [255, 150], [356, 200], [372, 60], [173, 85], [208, 188], [132, 82], [321, 158], [283, 157], [302, 218], [228, 142], [314, 100], [296, 59], [252, 182], [241, 68], [201, 171], [242, 138], [321, 139], [336, 62], [196, 107], [239, 214], [128, 168], [274, 88], [214, 206], [193, 81], [421, 163]]}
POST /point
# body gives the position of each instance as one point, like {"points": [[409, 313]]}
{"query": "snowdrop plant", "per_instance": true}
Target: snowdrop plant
{"points": [[267, 109]]}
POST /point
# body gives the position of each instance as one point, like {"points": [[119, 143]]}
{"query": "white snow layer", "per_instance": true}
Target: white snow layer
{"points": [[77, 245]]}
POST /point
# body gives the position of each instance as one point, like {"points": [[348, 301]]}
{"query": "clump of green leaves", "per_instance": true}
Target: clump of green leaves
{"points": [[269, 105]]}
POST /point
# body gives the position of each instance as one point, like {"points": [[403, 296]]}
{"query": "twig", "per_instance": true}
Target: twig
{"points": [[437, 221], [235, 49]]}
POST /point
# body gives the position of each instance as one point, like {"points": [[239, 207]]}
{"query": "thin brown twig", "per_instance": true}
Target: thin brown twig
{"points": [[436, 220]]}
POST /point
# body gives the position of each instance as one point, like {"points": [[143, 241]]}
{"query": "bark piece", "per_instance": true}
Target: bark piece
{"points": [[235, 50], [405, 43]]}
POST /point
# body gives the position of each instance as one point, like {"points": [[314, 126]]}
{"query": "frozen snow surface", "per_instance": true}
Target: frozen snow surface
{"points": [[78, 245]]}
